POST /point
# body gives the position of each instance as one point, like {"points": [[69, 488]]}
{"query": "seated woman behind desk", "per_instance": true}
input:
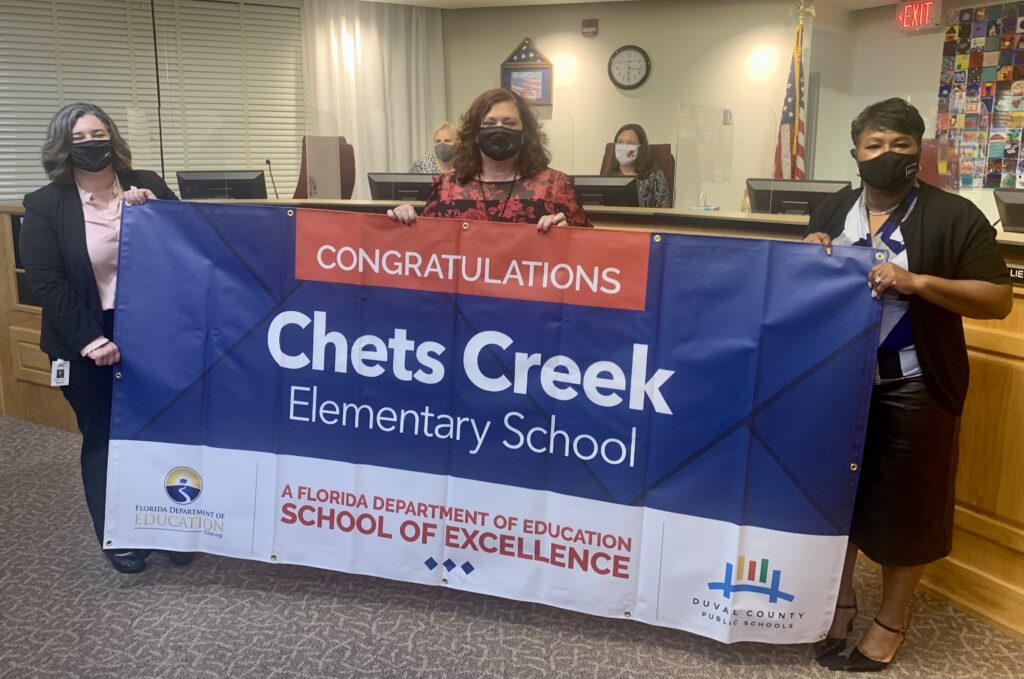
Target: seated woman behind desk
{"points": [[440, 161], [633, 157], [501, 171]]}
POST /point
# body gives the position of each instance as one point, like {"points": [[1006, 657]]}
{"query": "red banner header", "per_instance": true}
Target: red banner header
{"points": [[513, 261]]}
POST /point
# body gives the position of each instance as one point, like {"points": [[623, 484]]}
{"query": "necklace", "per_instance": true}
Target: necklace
{"points": [[508, 197], [882, 213], [511, 188], [115, 198]]}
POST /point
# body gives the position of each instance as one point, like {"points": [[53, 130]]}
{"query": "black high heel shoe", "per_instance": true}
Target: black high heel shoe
{"points": [[858, 662], [830, 646]]}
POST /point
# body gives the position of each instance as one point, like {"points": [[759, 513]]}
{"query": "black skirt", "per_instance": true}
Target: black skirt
{"points": [[903, 514]]}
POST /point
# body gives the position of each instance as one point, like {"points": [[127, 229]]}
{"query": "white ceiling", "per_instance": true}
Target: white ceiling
{"points": [[846, 5]]}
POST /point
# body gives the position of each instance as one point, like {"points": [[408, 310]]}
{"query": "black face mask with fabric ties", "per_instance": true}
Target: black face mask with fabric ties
{"points": [[890, 170], [93, 155], [499, 143]]}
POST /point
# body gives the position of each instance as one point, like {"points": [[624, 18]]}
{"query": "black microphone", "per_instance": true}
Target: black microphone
{"points": [[272, 182]]}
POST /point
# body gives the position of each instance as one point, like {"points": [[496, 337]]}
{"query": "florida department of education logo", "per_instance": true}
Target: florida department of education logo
{"points": [[183, 485], [751, 576]]}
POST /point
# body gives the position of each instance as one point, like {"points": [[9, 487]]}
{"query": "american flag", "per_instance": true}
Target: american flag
{"points": [[526, 53], [789, 151]]}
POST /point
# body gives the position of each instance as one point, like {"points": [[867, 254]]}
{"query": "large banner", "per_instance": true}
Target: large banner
{"points": [[657, 427]]}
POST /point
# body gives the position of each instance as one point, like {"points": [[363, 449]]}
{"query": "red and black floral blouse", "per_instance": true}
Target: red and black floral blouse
{"points": [[546, 193]]}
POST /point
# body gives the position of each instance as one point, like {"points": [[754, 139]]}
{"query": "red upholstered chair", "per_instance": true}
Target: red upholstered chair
{"points": [[346, 165], [929, 172], [663, 158]]}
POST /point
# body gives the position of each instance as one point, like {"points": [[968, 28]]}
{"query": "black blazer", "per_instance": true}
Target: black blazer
{"points": [[949, 237], [56, 259]]}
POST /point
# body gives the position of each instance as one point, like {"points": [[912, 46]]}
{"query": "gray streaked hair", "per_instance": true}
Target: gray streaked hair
{"points": [[57, 147]]}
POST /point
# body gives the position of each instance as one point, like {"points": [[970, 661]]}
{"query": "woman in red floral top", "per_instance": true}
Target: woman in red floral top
{"points": [[501, 171]]}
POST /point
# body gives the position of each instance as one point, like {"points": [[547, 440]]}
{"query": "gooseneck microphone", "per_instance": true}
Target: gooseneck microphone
{"points": [[272, 182]]}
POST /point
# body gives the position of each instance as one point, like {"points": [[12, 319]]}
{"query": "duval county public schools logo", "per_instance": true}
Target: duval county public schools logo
{"points": [[183, 485], [751, 576]]}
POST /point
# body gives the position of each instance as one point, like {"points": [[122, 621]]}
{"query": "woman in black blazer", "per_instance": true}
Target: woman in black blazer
{"points": [[940, 263], [68, 243]]}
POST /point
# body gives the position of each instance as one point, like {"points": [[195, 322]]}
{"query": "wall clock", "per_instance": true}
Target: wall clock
{"points": [[629, 67]]}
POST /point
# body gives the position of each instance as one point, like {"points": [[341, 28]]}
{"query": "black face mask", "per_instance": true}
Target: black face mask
{"points": [[93, 155], [444, 152], [499, 143], [890, 170]]}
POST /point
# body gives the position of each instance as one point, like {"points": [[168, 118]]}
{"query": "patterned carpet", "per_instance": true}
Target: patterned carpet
{"points": [[66, 614]]}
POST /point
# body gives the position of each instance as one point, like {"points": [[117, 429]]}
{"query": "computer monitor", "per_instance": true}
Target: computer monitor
{"points": [[399, 186], [616, 190], [790, 196], [1010, 203], [198, 184]]}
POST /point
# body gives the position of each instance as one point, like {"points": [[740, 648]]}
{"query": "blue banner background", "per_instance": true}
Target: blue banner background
{"points": [[773, 345]]}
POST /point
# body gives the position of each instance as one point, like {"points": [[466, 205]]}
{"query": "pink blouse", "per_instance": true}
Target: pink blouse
{"points": [[102, 239]]}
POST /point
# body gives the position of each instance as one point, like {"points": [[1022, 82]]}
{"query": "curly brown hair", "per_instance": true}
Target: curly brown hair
{"points": [[533, 155], [57, 147]]}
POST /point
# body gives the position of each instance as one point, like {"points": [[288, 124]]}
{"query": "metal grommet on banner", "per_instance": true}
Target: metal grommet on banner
{"points": [[117, 375], [628, 614], [273, 557], [879, 256], [854, 467], [291, 213], [657, 238], [110, 543], [465, 226], [444, 581]]}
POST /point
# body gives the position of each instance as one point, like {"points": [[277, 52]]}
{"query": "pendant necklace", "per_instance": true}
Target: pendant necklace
{"points": [[116, 198]]}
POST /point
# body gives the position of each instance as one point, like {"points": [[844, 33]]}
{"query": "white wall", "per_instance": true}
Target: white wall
{"points": [[871, 61], [701, 54], [832, 58]]}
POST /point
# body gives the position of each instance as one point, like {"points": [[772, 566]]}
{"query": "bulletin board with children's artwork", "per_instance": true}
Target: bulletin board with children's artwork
{"points": [[981, 98]]}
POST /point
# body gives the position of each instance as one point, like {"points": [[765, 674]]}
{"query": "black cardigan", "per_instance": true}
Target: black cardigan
{"points": [[56, 259], [949, 237]]}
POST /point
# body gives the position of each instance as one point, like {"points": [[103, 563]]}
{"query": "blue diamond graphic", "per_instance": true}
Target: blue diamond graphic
{"points": [[449, 564], [430, 563], [467, 568]]}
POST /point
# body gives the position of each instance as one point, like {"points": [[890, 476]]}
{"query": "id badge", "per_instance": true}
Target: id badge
{"points": [[60, 373]]}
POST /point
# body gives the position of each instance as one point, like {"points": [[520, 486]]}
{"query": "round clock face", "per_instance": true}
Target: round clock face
{"points": [[629, 67]]}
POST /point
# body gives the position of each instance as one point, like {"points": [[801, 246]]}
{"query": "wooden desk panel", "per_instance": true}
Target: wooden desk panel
{"points": [[985, 573], [25, 390]]}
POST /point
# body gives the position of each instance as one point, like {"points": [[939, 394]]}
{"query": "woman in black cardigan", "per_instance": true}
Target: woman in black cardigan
{"points": [[942, 263], [68, 243]]}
